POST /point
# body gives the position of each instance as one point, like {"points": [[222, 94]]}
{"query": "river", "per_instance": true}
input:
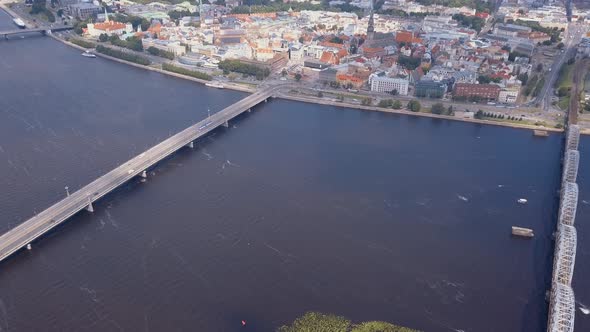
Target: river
{"points": [[295, 207]]}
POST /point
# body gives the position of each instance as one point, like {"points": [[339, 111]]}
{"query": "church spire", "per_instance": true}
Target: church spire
{"points": [[371, 27], [106, 15]]}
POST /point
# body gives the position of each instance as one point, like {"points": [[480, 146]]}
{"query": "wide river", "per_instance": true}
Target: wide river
{"points": [[295, 207]]}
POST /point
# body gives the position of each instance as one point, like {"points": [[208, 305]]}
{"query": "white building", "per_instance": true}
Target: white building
{"points": [[164, 45], [388, 84], [108, 27], [508, 95]]}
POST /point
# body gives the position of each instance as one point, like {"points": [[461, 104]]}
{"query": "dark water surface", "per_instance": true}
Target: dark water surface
{"points": [[581, 282], [296, 207]]}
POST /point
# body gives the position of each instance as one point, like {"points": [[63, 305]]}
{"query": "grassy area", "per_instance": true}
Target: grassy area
{"points": [[565, 81], [566, 76], [564, 102], [83, 43], [188, 72]]}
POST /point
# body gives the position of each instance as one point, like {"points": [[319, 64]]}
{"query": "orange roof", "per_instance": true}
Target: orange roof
{"points": [[156, 28], [406, 37], [330, 44], [344, 77], [109, 26]]}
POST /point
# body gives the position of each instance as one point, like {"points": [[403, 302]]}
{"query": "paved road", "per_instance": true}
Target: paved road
{"points": [[572, 38], [38, 225]]}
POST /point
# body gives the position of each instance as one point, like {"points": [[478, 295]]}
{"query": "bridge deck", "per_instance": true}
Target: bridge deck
{"points": [[18, 31], [41, 223]]}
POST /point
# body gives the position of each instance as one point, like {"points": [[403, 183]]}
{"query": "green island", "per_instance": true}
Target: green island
{"points": [[318, 322]]}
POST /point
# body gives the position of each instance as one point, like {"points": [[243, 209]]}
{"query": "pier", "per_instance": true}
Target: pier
{"points": [[22, 235]]}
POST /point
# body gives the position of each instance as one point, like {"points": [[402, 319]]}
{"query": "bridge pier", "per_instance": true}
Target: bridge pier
{"points": [[249, 110], [144, 174], [89, 207], [226, 124], [265, 100], [191, 144]]}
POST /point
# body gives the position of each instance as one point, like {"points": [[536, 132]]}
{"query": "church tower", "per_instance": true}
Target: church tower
{"points": [[371, 27]]}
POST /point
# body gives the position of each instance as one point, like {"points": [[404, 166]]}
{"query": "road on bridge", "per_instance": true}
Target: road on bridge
{"points": [[41, 223]]}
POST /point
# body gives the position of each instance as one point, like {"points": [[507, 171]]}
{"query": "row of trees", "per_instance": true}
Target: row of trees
{"points": [[481, 115], [123, 55], [83, 43], [237, 66], [38, 7], [485, 79], [472, 22], [187, 72], [132, 43], [161, 53], [408, 62], [390, 103], [439, 108]]}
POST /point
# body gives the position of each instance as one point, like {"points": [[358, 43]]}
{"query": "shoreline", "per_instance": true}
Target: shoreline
{"points": [[318, 101], [315, 100], [158, 70]]}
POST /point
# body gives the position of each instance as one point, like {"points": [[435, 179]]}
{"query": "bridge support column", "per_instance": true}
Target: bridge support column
{"points": [[29, 246], [249, 110], [191, 144], [226, 124], [144, 174], [265, 100], [89, 207]]}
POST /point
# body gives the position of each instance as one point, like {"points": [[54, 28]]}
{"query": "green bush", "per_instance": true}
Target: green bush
{"points": [[83, 43], [187, 72], [122, 55], [244, 68], [158, 52]]}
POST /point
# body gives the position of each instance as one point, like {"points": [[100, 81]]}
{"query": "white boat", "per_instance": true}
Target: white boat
{"points": [[88, 55], [522, 201], [19, 23], [215, 85]]}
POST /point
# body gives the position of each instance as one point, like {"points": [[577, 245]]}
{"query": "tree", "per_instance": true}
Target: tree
{"points": [[320, 94], [563, 91], [539, 67], [396, 105], [385, 103], [437, 108], [560, 45], [298, 77], [414, 105], [479, 114], [524, 77], [103, 37], [484, 79], [367, 101], [60, 12], [284, 72]]}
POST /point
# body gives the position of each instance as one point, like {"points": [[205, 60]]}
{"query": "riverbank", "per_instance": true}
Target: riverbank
{"points": [[322, 101], [316, 100], [165, 72]]}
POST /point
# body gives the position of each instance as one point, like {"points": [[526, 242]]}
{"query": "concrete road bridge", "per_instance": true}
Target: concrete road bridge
{"points": [[42, 30], [22, 235]]}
